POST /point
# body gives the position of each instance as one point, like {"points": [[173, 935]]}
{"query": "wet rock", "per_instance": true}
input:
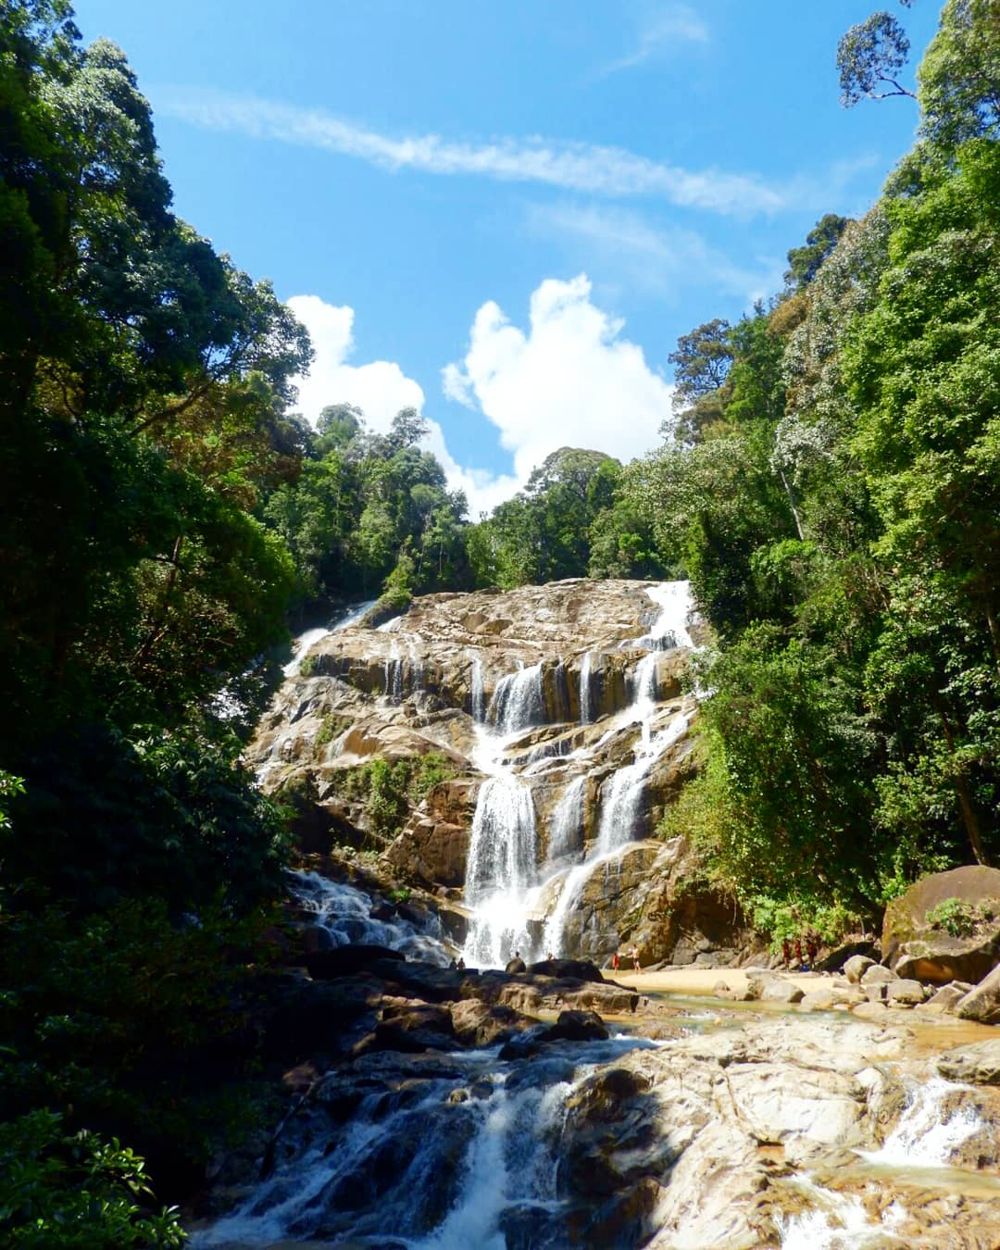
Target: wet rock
{"points": [[978, 1064], [983, 1002], [346, 961], [571, 969], [515, 965], [578, 1026], [856, 967], [477, 1024]]}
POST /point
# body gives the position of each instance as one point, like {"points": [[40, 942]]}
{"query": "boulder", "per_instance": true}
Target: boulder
{"points": [[479, 1024], [904, 993], [913, 948], [877, 975], [578, 1026], [856, 967], [567, 969], [838, 957], [781, 992], [983, 1002], [410, 1027], [346, 961], [757, 981], [978, 1064], [945, 998], [516, 965]]}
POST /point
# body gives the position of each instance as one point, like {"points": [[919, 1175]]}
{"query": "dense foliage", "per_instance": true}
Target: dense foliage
{"points": [[143, 379], [839, 515]]}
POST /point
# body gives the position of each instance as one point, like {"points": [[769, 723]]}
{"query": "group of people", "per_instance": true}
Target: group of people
{"points": [[633, 954], [804, 961]]}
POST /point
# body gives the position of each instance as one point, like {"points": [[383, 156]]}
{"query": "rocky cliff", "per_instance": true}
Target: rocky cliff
{"points": [[553, 723]]}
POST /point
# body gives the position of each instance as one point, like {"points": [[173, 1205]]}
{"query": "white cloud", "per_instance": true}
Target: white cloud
{"points": [[662, 30], [380, 389], [570, 379], [571, 166], [648, 257]]}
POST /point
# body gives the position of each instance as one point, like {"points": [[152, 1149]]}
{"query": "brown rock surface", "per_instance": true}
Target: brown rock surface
{"points": [[914, 949]]}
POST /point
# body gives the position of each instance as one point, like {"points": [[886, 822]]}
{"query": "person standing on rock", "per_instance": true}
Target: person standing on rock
{"points": [[799, 960], [786, 952], [635, 958], [812, 950], [615, 961]]}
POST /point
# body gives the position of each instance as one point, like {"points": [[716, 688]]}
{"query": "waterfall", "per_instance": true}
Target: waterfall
{"points": [[344, 914], [621, 806], [518, 701], [501, 869], [927, 1136], [394, 674], [502, 886], [586, 711], [566, 831], [305, 642], [478, 690], [451, 1170]]}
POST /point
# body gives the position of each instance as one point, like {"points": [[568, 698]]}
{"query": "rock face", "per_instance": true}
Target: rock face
{"points": [[914, 947], [582, 696]]}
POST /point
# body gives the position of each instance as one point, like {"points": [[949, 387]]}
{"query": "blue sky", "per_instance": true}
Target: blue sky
{"points": [[506, 213]]}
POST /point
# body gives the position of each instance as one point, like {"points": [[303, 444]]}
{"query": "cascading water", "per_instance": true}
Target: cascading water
{"points": [[302, 645], [501, 869], [440, 1161], [621, 807], [502, 880], [518, 701], [344, 914], [566, 831], [477, 690], [586, 706], [928, 1134]]}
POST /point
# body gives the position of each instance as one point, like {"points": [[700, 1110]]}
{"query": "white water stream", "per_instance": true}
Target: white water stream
{"points": [[505, 884]]}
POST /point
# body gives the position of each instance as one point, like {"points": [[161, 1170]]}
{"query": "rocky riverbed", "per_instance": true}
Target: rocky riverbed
{"points": [[431, 1108]]}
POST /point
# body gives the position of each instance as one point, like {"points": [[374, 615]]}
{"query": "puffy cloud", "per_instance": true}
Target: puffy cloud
{"points": [[379, 388], [570, 379]]}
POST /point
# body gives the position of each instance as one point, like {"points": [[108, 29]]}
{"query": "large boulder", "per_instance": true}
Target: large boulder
{"points": [[914, 947], [983, 1002], [978, 1064]]}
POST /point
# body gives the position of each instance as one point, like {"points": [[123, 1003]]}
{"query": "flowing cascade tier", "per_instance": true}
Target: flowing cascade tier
{"points": [[528, 733], [464, 1148], [509, 893]]}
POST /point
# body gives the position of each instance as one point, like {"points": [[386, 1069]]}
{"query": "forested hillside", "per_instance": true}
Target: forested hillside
{"points": [[829, 482]]}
